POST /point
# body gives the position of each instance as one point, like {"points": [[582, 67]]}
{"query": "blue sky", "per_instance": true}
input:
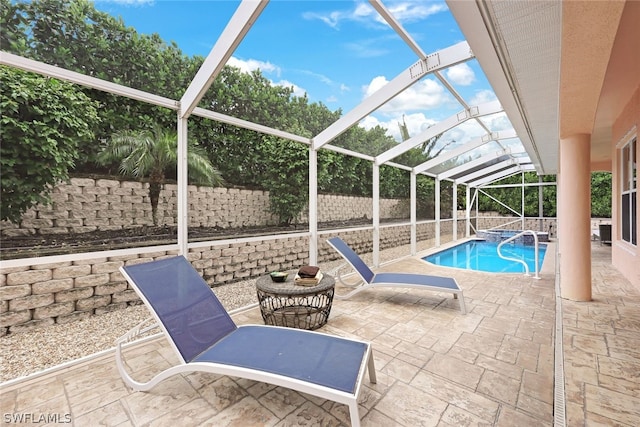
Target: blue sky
{"points": [[337, 52]]}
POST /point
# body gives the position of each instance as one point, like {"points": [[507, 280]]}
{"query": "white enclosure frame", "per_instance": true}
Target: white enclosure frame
{"points": [[238, 26]]}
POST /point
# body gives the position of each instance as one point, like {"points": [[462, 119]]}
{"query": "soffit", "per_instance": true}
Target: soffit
{"points": [[518, 46]]}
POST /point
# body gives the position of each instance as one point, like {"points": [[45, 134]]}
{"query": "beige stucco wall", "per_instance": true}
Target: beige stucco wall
{"points": [[625, 257]]}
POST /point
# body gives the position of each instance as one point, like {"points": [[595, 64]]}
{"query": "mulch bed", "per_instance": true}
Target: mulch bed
{"points": [[59, 244]]}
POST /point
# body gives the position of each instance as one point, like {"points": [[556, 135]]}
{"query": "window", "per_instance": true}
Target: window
{"points": [[628, 192]]}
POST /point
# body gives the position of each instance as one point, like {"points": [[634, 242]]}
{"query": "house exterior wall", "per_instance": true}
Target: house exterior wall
{"points": [[625, 256]]}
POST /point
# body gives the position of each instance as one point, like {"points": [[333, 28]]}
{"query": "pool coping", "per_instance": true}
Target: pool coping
{"points": [[548, 263]]}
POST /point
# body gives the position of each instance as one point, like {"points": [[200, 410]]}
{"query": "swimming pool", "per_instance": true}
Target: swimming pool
{"points": [[480, 255]]}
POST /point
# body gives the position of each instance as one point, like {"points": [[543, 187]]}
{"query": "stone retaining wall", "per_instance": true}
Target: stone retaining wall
{"points": [[487, 222], [33, 296], [85, 205], [39, 295], [497, 236]]}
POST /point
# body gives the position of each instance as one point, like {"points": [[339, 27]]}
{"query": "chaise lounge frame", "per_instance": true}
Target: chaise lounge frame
{"points": [[374, 280], [205, 339]]}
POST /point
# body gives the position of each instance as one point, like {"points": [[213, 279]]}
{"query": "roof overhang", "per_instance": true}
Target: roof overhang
{"points": [[518, 46]]}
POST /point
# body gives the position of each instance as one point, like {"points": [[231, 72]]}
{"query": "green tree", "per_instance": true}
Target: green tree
{"points": [[423, 152], [288, 178], [42, 124], [235, 151], [12, 23], [601, 194], [73, 35], [150, 153]]}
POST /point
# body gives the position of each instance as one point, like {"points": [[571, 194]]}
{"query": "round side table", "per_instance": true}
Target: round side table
{"points": [[295, 306]]}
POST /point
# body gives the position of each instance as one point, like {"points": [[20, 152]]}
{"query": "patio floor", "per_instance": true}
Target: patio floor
{"points": [[436, 367]]}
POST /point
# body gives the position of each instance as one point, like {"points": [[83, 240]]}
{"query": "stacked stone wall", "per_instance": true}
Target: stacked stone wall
{"points": [[85, 205], [39, 295], [488, 221]]}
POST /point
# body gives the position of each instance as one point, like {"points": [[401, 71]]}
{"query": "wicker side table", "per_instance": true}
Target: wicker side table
{"points": [[295, 306]]}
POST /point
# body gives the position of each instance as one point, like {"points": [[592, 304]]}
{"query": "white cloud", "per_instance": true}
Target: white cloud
{"points": [[416, 123], [366, 48], [360, 13], [297, 90], [424, 95], [331, 19], [461, 74], [376, 84], [321, 77], [458, 136], [465, 132], [406, 11], [362, 10], [500, 122], [249, 65], [246, 66], [482, 96], [403, 11], [370, 122]]}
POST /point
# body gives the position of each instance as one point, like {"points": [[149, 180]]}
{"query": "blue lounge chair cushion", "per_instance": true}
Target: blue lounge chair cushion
{"points": [[417, 279], [353, 258], [392, 279], [317, 358], [205, 335], [192, 315]]}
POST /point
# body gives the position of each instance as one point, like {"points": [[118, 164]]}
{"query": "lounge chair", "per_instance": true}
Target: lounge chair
{"points": [[206, 339], [374, 280]]}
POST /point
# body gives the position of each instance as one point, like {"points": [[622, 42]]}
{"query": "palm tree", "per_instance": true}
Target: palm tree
{"points": [[150, 153], [427, 146]]}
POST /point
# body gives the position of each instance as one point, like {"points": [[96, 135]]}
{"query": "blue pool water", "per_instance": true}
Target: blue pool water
{"points": [[481, 255]]}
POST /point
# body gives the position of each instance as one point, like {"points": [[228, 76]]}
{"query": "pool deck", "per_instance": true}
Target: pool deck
{"points": [[436, 367]]}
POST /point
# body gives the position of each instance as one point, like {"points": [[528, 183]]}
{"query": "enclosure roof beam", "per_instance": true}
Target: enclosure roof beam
{"points": [[47, 70], [245, 124], [496, 176], [393, 23], [439, 60], [367, 157], [348, 152], [526, 184], [399, 166], [474, 143], [238, 26], [473, 164], [439, 128], [488, 170], [485, 171], [461, 100], [502, 174]]}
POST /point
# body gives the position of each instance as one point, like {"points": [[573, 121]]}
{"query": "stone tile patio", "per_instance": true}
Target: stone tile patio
{"points": [[436, 367]]}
